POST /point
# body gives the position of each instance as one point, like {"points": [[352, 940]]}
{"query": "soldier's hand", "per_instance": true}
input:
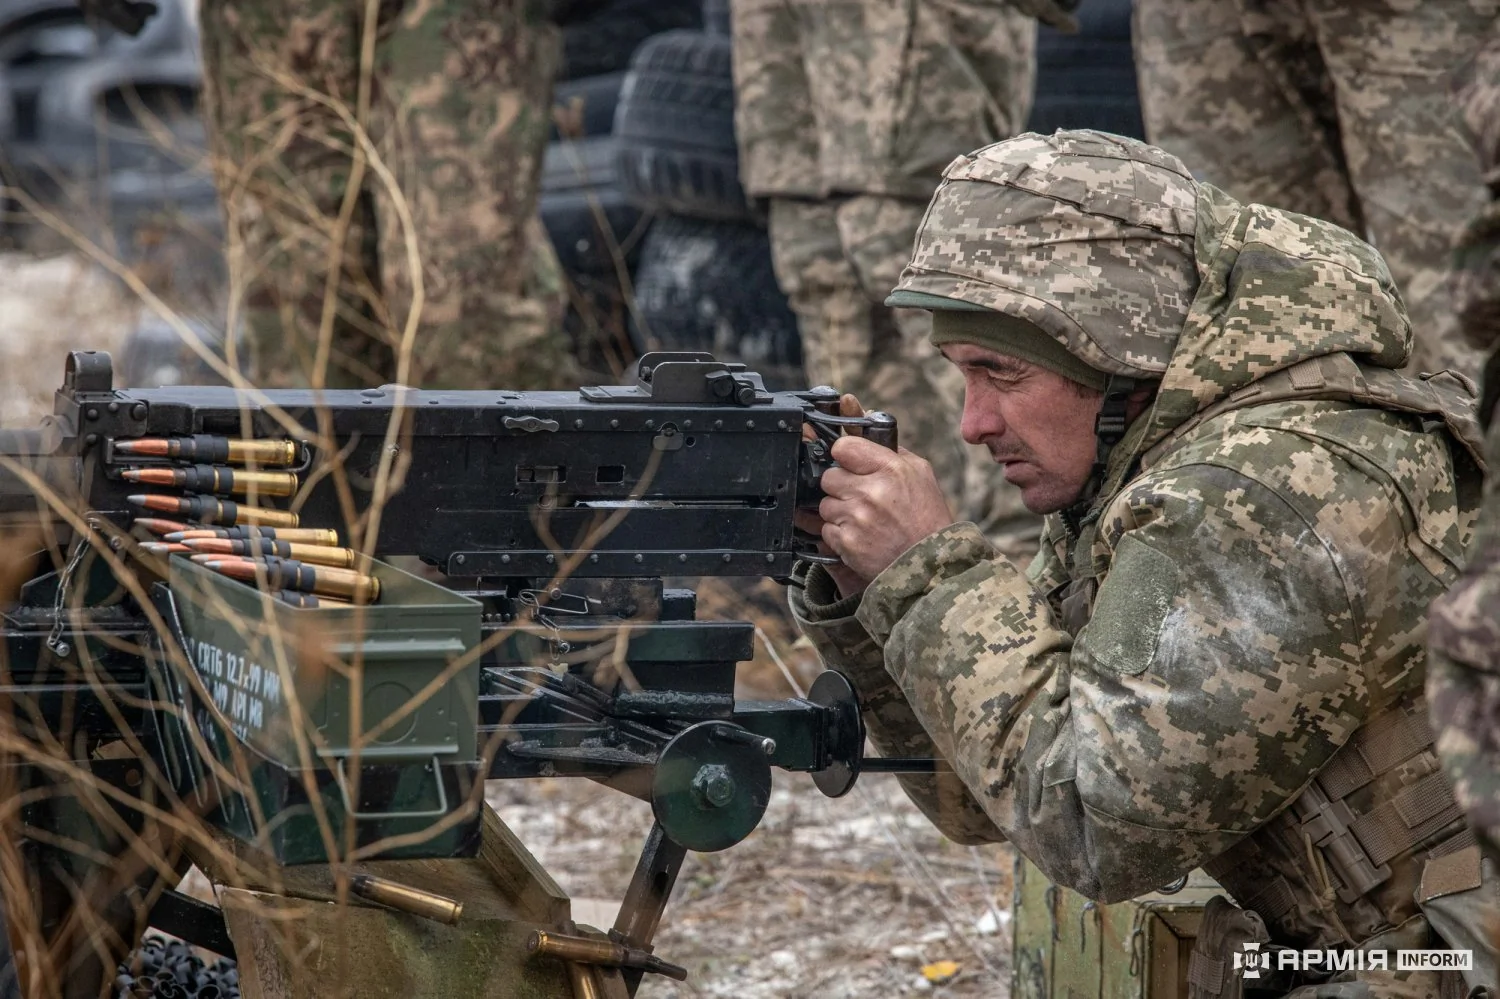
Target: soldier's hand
{"points": [[877, 504]]}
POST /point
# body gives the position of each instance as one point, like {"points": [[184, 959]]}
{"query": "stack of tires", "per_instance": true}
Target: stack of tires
{"points": [[595, 229], [704, 281], [1087, 80], [666, 181]]}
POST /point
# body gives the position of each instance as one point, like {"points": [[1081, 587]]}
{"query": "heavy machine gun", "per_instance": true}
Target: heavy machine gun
{"points": [[553, 646]]}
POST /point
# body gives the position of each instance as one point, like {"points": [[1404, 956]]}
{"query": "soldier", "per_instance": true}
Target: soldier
{"points": [[1217, 659], [1334, 108], [1464, 683], [846, 114], [380, 183]]}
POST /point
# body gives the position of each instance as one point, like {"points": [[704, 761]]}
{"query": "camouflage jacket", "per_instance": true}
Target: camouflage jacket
{"points": [[1248, 588]]}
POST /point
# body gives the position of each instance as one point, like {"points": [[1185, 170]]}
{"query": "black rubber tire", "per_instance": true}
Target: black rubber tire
{"points": [[1087, 80], [604, 43], [716, 17], [595, 98], [705, 285], [675, 126], [576, 177]]}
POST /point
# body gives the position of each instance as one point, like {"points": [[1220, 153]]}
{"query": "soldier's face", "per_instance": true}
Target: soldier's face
{"points": [[1037, 424]]}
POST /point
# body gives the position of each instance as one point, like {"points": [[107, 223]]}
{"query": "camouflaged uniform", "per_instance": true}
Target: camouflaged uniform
{"points": [[1242, 606], [1464, 682], [1338, 109], [846, 113], [455, 102]]}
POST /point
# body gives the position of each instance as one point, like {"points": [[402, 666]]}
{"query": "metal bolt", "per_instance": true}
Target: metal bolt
{"points": [[713, 785], [780, 424], [770, 556], [91, 439], [726, 556], [614, 424], [650, 424], [577, 424], [138, 411], [505, 559], [115, 544], [460, 559], [551, 559], [594, 557], [682, 558], [92, 413], [133, 778], [639, 557], [113, 407], [749, 424], [63, 649], [687, 424], [718, 424]]}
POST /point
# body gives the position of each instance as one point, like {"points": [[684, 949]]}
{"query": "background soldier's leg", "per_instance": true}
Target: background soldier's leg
{"points": [[466, 93], [833, 311], [906, 375], [301, 242], [1417, 179], [1237, 89]]}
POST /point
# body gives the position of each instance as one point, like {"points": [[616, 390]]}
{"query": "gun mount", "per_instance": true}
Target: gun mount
{"points": [[559, 517]]}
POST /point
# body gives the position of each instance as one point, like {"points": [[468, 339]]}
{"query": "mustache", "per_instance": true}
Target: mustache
{"points": [[1012, 452]]}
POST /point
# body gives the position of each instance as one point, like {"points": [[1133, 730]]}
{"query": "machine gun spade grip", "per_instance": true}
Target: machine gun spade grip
{"points": [[881, 429], [828, 427]]}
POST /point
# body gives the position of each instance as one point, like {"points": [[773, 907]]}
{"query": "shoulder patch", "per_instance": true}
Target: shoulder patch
{"points": [[1123, 631]]}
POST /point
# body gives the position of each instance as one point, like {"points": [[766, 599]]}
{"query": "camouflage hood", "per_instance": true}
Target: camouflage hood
{"points": [[1110, 247], [1275, 288]]}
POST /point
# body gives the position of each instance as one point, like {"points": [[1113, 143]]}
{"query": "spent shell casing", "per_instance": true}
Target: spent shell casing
{"points": [[304, 535], [215, 479], [160, 526], [406, 898], [208, 510], [210, 449], [591, 950]]}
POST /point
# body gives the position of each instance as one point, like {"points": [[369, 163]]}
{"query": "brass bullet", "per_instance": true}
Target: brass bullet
{"points": [[304, 535], [340, 558], [209, 448], [208, 510], [215, 479]]}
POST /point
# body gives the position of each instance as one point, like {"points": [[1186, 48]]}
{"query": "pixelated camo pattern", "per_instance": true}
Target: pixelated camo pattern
{"points": [[1463, 685], [1259, 593]]}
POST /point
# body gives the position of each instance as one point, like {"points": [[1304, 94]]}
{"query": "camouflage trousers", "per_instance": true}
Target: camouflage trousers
{"points": [[836, 259], [846, 113], [380, 187], [1340, 109]]}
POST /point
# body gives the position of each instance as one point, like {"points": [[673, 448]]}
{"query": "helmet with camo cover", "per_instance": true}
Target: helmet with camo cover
{"points": [[1084, 235]]}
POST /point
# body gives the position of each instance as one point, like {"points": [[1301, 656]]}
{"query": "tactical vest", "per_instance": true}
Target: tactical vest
{"points": [[1345, 862]]}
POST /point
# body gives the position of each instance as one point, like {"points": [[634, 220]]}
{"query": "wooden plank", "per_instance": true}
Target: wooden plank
{"points": [[299, 949]]}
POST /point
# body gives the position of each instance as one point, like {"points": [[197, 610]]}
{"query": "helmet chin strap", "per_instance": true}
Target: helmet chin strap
{"points": [[1109, 430]]}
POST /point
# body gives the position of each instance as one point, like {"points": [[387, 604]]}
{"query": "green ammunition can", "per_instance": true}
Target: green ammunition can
{"points": [[372, 709]]}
